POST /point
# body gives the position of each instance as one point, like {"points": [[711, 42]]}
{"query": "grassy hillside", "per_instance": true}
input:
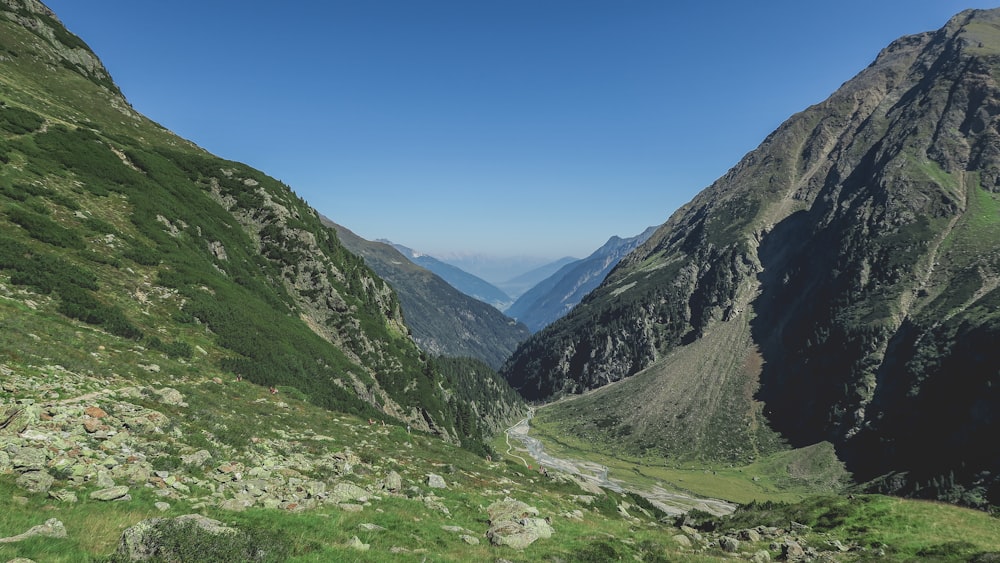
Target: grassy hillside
{"points": [[302, 482], [117, 233]]}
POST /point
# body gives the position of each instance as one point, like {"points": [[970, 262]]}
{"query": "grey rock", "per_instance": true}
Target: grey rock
{"points": [[162, 506], [14, 419], [393, 482], [197, 459], [110, 493], [29, 459], [64, 495], [355, 543], [762, 556], [729, 545], [170, 396], [436, 481], [52, 528], [471, 540], [748, 535], [371, 527], [514, 524], [682, 540], [35, 481]]}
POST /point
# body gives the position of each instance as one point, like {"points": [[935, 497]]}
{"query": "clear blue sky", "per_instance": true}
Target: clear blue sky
{"points": [[505, 127]]}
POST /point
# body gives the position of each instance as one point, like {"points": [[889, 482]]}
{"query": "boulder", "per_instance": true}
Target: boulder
{"points": [[52, 528], [436, 481], [170, 396], [393, 482], [343, 492], [515, 524], [29, 459], [14, 419], [35, 481], [110, 493], [729, 545]]}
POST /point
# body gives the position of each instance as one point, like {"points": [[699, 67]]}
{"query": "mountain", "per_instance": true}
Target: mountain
{"points": [[128, 254], [841, 283], [458, 278], [519, 284], [504, 271], [443, 320], [554, 296]]}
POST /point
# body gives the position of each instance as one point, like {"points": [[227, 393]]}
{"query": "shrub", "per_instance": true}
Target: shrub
{"points": [[19, 121], [44, 229]]}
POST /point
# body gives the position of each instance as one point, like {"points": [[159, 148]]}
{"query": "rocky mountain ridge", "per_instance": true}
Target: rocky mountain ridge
{"points": [[839, 283]]}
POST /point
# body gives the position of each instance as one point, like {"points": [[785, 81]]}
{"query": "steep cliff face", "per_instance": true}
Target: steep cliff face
{"points": [[860, 244]]}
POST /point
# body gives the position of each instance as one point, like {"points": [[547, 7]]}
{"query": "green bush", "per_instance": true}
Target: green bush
{"points": [[19, 121], [44, 229]]}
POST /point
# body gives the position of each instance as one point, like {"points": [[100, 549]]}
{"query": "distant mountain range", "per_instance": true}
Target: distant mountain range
{"points": [[511, 274], [461, 280], [554, 296], [519, 284], [443, 320]]}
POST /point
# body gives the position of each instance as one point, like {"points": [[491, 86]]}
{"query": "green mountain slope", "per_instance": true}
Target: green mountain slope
{"points": [[443, 320], [117, 235], [839, 283]]}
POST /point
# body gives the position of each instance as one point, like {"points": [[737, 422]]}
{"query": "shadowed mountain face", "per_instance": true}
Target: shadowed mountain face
{"points": [[839, 283]]}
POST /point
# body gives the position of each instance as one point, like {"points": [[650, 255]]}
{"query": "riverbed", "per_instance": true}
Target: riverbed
{"points": [[673, 503]]}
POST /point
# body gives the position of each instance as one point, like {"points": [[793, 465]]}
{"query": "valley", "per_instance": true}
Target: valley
{"points": [[800, 364]]}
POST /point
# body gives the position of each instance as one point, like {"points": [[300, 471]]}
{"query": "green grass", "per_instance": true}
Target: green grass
{"points": [[781, 477]]}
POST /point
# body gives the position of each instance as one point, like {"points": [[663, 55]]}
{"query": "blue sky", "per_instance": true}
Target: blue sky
{"points": [[502, 127]]}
